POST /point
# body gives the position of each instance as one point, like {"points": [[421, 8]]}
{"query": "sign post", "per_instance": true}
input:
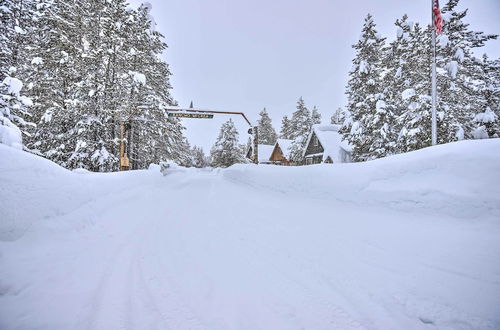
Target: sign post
{"points": [[124, 161], [256, 144]]}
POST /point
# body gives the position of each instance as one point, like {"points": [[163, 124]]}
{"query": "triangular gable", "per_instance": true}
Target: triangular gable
{"points": [[331, 142]]}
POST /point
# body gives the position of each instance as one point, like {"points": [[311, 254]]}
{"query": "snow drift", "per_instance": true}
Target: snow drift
{"points": [[455, 179], [406, 242]]}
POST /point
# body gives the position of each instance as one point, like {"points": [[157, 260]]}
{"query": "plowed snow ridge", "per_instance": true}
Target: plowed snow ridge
{"points": [[406, 242]]}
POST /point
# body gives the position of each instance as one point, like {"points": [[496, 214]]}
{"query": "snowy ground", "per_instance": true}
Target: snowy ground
{"points": [[407, 242]]}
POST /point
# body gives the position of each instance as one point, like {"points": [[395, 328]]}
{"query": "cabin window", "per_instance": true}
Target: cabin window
{"points": [[315, 141]]}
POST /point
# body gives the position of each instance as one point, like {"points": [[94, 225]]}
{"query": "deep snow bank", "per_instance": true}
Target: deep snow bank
{"points": [[252, 247], [33, 188], [460, 179]]}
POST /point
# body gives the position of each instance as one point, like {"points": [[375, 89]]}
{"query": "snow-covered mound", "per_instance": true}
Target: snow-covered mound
{"points": [[456, 178], [35, 189], [405, 242]]}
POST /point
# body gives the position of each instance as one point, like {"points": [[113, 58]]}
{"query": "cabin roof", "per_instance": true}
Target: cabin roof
{"points": [[284, 145], [265, 152], [331, 141]]}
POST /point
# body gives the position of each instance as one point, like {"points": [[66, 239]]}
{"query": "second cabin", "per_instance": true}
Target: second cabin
{"points": [[325, 145]]}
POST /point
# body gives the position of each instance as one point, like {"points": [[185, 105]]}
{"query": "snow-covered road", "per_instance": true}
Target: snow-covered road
{"points": [[408, 242]]}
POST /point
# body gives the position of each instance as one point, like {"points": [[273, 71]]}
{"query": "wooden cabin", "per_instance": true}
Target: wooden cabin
{"points": [[325, 145], [281, 152]]}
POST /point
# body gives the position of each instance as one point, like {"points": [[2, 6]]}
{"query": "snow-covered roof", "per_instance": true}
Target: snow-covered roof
{"points": [[265, 152], [284, 145], [331, 141]]}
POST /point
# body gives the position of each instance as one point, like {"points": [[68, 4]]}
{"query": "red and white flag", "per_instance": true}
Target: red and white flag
{"points": [[438, 19]]}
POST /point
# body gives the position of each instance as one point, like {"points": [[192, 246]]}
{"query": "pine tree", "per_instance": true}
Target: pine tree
{"points": [[368, 130], [487, 86], [456, 103], [267, 134], [55, 79], [17, 26], [92, 66], [411, 90], [286, 132], [199, 159], [301, 124], [337, 117], [226, 150], [315, 116]]}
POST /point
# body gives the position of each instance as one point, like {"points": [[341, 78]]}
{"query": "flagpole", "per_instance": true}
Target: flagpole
{"points": [[434, 89]]}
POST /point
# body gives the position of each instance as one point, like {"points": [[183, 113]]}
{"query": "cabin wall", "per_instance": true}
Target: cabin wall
{"points": [[311, 148]]}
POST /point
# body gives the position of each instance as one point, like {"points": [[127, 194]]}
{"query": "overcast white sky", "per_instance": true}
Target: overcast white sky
{"points": [[243, 55]]}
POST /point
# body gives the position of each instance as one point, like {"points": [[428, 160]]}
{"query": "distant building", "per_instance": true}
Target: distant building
{"points": [[325, 145], [264, 151], [281, 153]]}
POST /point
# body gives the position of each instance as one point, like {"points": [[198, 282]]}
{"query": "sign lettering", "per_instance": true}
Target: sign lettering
{"points": [[190, 115]]}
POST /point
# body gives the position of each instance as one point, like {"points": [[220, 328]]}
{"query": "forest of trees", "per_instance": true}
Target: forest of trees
{"points": [[72, 70], [389, 88]]}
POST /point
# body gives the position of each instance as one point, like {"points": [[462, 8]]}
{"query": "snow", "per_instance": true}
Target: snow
{"points": [[138, 77], [460, 134], [265, 152], [459, 55], [480, 133], [37, 61], [443, 40], [10, 134], [452, 68], [363, 67], [404, 242], [14, 85], [100, 156], [398, 73], [380, 106], [47, 116], [408, 93], [487, 116], [19, 30], [26, 101], [399, 32]]}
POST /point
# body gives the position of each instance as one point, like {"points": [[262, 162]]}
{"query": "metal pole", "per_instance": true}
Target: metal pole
{"points": [[256, 145], [434, 88]]}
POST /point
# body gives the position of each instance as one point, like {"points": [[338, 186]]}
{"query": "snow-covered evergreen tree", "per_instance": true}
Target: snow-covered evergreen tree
{"points": [[226, 150], [13, 107], [457, 102], [88, 65], [315, 116], [17, 19], [410, 87], [369, 129], [267, 134], [199, 159], [300, 128], [301, 122], [286, 132], [337, 118], [487, 86]]}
